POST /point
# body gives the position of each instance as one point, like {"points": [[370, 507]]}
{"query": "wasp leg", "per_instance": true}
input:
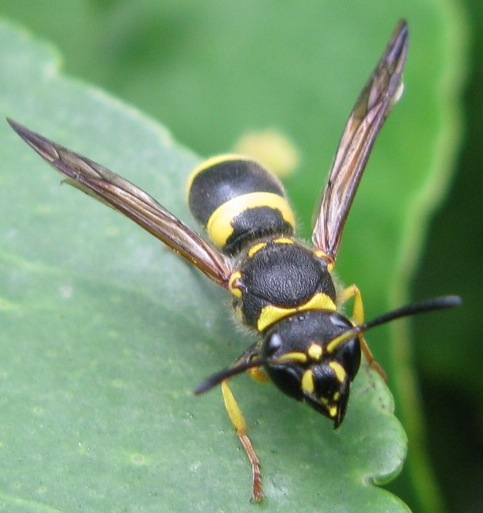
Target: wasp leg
{"points": [[241, 427], [358, 318], [259, 375], [353, 291], [256, 373], [371, 360]]}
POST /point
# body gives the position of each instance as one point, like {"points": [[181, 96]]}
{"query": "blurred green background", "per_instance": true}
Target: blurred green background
{"points": [[199, 68]]}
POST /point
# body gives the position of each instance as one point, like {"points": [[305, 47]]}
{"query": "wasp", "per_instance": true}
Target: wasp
{"points": [[281, 288]]}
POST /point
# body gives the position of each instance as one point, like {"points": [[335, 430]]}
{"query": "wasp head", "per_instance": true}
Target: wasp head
{"points": [[307, 358], [315, 356]]}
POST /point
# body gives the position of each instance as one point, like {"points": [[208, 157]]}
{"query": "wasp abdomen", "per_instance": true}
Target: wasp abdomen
{"points": [[237, 201]]}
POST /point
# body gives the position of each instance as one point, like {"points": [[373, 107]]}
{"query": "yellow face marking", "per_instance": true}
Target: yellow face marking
{"points": [[271, 314], [340, 372], [335, 343], [256, 248], [220, 227], [308, 382], [315, 351], [233, 285], [293, 357]]}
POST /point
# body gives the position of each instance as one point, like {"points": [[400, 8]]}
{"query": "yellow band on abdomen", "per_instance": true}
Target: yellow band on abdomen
{"points": [[220, 227]]}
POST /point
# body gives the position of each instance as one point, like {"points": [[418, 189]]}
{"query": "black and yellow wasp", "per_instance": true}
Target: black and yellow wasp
{"points": [[281, 288]]}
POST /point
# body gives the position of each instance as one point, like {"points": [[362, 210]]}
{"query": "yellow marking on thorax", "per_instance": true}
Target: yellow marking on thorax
{"points": [[220, 227], [261, 245], [256, 248], [271, 314], [324, 256], [232, 284]]}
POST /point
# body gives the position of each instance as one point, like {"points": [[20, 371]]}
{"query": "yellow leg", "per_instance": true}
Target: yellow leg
{"points": [[358, 312], [371, 360], [241, 427], [259, 375], [358, 318]]}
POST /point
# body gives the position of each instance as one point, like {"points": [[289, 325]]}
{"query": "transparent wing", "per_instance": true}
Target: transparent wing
{"points": [[134, 203], [379, 96]]}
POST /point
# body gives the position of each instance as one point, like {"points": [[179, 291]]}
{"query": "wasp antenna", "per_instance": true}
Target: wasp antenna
{"points": [[438, 303], [217, 378]]}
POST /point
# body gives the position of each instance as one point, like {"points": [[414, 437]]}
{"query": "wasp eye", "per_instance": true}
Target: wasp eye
{"points": [[274, 343], [339, 321]]}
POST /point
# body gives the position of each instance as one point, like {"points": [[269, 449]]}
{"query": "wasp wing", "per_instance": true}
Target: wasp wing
{"points": [[380, 94], [118, 193]]}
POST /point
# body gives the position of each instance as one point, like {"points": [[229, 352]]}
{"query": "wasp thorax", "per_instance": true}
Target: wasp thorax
{"points": [[277, 278], [304, 365]]}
